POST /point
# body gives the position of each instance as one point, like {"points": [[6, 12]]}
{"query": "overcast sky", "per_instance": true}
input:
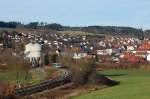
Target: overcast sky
{"points": [[134, 13]]}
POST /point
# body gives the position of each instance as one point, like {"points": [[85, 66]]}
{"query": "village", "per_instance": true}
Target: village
{"points": [[60, 53], [119, 49], [74, 49], [66, 56]]}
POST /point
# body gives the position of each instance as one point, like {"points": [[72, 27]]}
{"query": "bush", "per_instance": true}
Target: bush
{"points": [[2, 87], [81, 69], [6, 92], [83, 72]]}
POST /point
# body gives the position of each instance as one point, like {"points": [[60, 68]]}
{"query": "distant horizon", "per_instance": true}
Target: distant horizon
{"points": [[78, 26]]}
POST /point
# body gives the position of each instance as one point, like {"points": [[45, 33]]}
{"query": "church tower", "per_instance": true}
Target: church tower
{"points": [[141, 35]]}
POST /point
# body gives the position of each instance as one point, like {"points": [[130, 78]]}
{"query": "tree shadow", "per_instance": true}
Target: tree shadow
{"points": [[107, 81]]}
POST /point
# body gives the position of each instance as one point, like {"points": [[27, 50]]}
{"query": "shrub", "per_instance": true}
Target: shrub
{"points": [[2, 87], [81, 69]]}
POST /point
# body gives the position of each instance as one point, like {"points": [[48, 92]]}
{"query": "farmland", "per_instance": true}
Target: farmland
{"points": [[33, 76], [134, 84], [76, 33], [11, 77]]}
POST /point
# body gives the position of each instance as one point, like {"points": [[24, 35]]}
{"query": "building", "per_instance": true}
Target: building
{"points": [[33, 53]]}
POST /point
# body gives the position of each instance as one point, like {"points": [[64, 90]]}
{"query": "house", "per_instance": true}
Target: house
{"points": [[133, 57], [130, 48], [100, 52], [115, 59], [105, 52], [1, 44], [148, 58], [79, 55]]}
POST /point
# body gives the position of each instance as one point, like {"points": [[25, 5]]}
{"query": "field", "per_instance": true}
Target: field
{"points": [[13, 77], [134, 84], [32, 77], [22, 30], [14, 29], [71, 33], [78, 33]]}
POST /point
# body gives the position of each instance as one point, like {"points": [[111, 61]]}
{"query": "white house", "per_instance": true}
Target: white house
{"points": [[105, 52], [148, 58], [130, 48], [79, 55]]}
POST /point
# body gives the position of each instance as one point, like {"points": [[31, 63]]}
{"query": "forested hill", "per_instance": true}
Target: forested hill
{"points": [[107, 30], [147, 33]]}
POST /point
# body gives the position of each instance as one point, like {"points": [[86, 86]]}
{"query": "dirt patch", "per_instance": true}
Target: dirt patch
{"points": [[71, 89], [66, 91]]}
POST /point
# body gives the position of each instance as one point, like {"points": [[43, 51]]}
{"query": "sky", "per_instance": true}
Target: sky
{"points": [[134, 13]]}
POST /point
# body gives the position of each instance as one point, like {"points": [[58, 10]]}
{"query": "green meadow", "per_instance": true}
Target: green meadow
{"points": [[33, 76], [134, 84]]}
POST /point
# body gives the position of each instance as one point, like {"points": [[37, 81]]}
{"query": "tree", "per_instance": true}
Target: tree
{"points": [[54, 58], [21, 65], [33, 25], [17, 64], [55, 26], [2, 88], [9, 24], [41, 24], [81, 70]]}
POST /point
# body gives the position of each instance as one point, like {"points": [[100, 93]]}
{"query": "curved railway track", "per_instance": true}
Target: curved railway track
{"points": [[64, 78]]}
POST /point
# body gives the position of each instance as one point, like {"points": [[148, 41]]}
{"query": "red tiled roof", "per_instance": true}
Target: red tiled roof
{"points": [[146, 41], [143, 49]]}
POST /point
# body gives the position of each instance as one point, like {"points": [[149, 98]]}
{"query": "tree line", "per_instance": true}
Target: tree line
{"points": [[108, 30], [31, 25], [9, 24]]}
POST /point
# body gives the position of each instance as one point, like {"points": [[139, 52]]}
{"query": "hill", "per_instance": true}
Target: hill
{"points": [[134, 84], [108, 30], [42, 26]]}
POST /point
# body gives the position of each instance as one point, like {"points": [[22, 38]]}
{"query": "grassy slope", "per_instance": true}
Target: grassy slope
{"points": [[134, 84], [11, 77], [71, 33], [13, 29], [76, 33], [34, 76], [38, 75]]}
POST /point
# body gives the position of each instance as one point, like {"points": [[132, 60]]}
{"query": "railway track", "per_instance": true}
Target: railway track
{"points": [[64, 78]]}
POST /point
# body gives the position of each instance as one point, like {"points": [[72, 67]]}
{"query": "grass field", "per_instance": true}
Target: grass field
{"points": [[71, 33], [12, 29], [78, 33], [11, 77], [37, 75], [33, 76], [134, 84]]}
